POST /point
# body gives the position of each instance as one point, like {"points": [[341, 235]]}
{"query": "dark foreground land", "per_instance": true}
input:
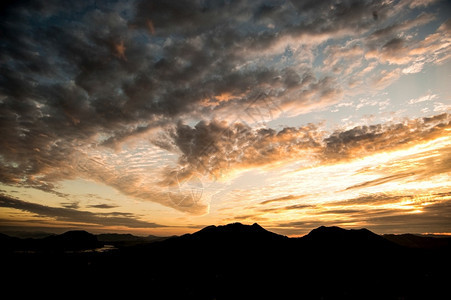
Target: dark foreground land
{"points": [[234, 261]]}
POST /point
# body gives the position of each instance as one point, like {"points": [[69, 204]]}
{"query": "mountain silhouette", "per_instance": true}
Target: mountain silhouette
{"points": [[123, 240], [23, 234], [238, 261], [341, 239], [72, 240], [69, 241], [234, 232], [117, 237]]}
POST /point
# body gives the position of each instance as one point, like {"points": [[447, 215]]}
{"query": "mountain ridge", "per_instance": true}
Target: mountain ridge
{"points": [[322, 235], [237, 261]]}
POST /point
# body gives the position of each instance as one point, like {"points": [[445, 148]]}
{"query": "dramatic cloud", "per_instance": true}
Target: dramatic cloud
{"points": [[216, 148], [364, 140], [99, 78], [105, 74]]}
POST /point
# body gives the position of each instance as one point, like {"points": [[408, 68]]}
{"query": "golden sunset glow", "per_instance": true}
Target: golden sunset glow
{"points": [[152, 119]]}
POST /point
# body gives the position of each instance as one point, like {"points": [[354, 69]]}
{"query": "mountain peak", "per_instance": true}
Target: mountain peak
{"points": [[235, 230], [233, 227], [340, 237], [257, 226], [74, 239], [327, 229], [335, 230]]}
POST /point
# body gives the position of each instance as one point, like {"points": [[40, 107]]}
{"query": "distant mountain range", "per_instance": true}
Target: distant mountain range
{"points": [[122, 240], [418, 241], [68, 241], [237, 261], [78, 239]]}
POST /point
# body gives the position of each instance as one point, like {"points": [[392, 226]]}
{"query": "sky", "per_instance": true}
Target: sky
{"points": [[162, 117]]}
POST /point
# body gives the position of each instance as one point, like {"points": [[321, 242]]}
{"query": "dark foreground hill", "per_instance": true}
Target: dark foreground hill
{"points": [[238, 261]]}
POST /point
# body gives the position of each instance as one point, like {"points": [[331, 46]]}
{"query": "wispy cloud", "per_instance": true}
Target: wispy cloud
{"points": [[103, 206], [435, 215], [284, 198], [72, 205], [428, 97]]}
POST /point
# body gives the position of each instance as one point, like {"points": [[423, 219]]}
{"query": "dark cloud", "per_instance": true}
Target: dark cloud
{"points": [[215, 147], [393, 45], [435, 217], [72, 72], [189, 17], [103, 206], [388, 44], [232, 22], [379, 181], [71, 205], [78, 216], [322, 17], [390, 31]]}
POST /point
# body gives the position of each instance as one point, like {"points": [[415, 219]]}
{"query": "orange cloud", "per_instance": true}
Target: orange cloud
{"points": [[364, 140], [150, 26], [120, 50], [217, 148], [284, 198]]}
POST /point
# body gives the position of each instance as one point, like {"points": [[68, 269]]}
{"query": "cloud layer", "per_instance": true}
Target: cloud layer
{"points": [[77, 216], [418, 213], [79, 80], [216, 148]]}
